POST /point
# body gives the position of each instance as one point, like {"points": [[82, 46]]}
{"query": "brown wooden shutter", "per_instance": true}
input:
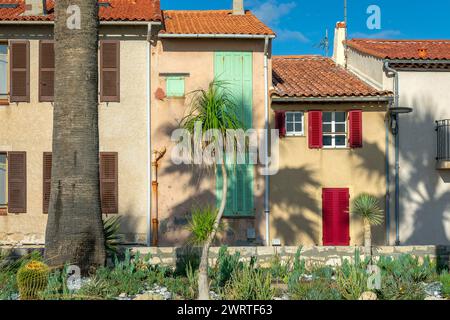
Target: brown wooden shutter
{"points": [[46, 71], [110, 71], [17, 182], [20, 71], [47, 179], [109, 182]]}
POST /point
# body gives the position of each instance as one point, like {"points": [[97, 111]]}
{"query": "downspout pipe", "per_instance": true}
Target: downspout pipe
{"points": [[149, 141], [267, 129], [391, 72]]}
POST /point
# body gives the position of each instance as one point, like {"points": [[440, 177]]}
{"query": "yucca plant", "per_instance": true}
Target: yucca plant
{"points": [[111, 227], [368, 208], [213, 108]]}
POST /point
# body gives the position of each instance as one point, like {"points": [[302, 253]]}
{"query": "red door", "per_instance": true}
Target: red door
{"points": [[335, 216]]}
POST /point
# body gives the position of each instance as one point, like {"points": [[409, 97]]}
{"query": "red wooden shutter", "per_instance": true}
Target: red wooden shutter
{"points": [[20, 71], [355, 129], [315, 129], [110, 71], [109, 182], [17, 182], [47, 178], [335, 217], [46, 71], [280, 123]]}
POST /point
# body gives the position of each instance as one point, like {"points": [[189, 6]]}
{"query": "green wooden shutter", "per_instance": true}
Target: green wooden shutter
{"points": [[236, 70], [175, 86]]}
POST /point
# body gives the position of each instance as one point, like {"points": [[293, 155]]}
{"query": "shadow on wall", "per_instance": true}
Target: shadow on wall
{"points": [[424, 191]]}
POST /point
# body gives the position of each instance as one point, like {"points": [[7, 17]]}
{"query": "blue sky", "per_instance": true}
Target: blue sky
{"points": [[300, 24]]}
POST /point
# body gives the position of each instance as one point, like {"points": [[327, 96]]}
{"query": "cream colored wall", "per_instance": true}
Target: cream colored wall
{"points": [[183, 186], [296, 191], [123, 129], [425, 191]]}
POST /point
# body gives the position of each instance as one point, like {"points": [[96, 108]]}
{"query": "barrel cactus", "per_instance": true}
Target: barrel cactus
{"points": [[32, 279]]}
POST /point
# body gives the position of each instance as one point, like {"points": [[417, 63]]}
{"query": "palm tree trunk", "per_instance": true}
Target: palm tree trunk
{"points": [[203, 283], [367, 239], [74, 229]]}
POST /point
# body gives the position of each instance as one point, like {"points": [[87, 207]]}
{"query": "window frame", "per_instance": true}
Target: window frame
{"points": [[333, 132], [5, 99], [302, 122], [169, 78], [5, 205]]}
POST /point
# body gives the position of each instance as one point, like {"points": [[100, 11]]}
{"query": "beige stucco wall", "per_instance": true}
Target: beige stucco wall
{"points": [[183, 186], [123, 129], [296, 191]]}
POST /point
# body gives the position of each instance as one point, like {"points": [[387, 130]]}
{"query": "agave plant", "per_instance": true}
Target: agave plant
{"points": [[111, 227], [213, 108], [367, 207]]}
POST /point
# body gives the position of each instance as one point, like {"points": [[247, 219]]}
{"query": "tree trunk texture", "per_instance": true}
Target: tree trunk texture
{"points": [[367, 239], [203, 282], [74, 232]]}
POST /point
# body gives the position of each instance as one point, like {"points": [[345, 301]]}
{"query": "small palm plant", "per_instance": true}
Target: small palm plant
{"points": [[213, 109], [367, 207]]}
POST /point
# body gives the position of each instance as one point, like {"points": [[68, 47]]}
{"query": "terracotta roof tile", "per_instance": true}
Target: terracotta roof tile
{"points": [[119, 10], [316, 76], [213, 22], [403, 49]]}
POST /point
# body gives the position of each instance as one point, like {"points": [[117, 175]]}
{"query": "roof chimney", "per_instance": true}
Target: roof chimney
{"points": [[238, 7], [339, 46], [35, 8]]}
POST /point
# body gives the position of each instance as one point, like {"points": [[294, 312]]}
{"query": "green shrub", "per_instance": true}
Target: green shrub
{"points": [[8, 285], [322, 272], [32, 279], [320, 289], [279, 269], [187, 256], [201, 224], [249, 284], [400, 288], [226, 265], [409, 267], [351, 278], [298, 269], [445, 280]]}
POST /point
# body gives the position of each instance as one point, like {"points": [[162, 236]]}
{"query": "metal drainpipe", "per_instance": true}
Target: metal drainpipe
{"points": [[266, 116], [149, 206], [397, 166], [156, 156]]}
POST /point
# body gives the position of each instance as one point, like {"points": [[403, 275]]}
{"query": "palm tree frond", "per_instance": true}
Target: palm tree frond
{"points": [[367, 206]]}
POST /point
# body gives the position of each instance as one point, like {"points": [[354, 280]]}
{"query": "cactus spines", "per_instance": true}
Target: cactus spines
{"points": [[32, 278]]}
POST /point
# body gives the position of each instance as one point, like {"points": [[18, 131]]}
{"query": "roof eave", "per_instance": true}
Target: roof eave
{"points": [[384, 98], [215, 35], [104, 22]]}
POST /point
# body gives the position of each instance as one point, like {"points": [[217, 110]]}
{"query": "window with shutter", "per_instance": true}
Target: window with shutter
{"points": [[355, 124], [236, 70], [17, 182], [3, 72], [335, 217], [20, 71], [47, 179], [46, 71], [109, 182], [110, 71], [3, 180], [175, 87], [280, 123], [315, 129]]}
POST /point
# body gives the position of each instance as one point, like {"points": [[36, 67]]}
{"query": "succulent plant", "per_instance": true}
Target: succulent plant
{"points": [[32, 279]]}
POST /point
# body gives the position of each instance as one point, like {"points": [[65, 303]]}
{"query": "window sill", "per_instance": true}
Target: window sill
{"points": [[238, 217], [293, 135]]}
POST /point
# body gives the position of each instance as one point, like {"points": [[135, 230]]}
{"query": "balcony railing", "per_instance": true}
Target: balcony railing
{"points": [[443, 140]]}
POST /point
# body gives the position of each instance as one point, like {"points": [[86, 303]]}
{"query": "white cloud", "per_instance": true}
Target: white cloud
{"points": [[382, 34], [271, 11], [291, 35]]}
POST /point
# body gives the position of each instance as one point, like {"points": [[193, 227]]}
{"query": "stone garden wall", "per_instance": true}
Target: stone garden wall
{"points": [[312, 254], [169, 256]]}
